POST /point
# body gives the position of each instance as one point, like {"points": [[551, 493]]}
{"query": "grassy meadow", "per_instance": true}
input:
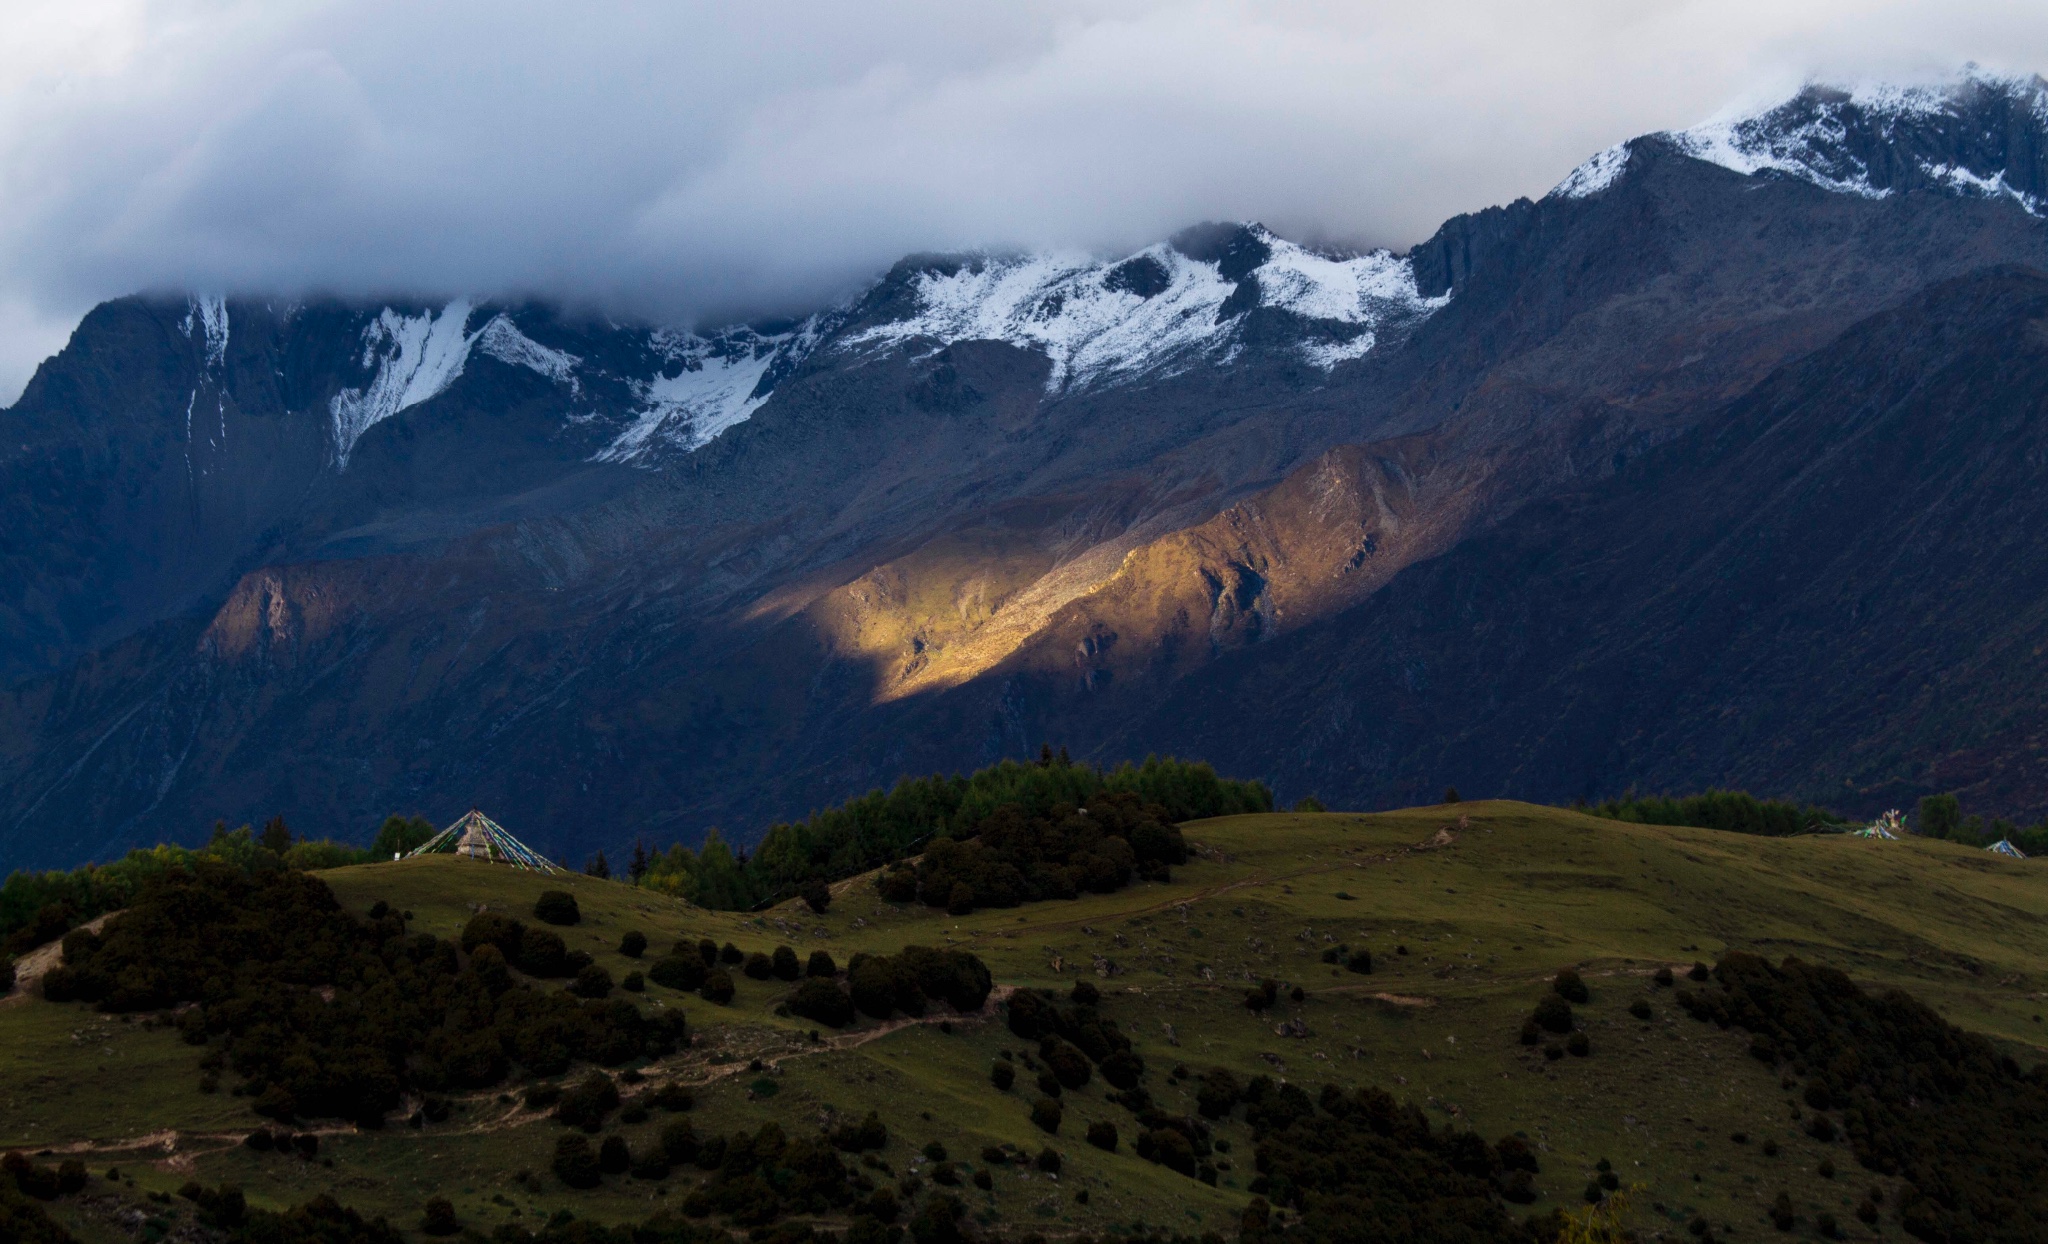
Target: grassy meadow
{"points": [[1467, 910]]}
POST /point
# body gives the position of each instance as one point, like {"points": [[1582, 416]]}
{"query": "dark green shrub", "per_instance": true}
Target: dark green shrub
{"points": [[673, 1097], [1002, 1075], [730, 954], [759, 966], [1570, 987], [1663, 978], [1049, 1159], [439, 1218], [869, 1133], [587, 1104], [575, 1165], [490, 928], [679, 972], [1067, 1064], [613, 1157], [1103, 1136], [1639, 1008], [541, 1096], [633, 944], [1360, 962], [881, 1206], [557, 907], [679, 1142], [1216, 1094], [820, 964], [785, 965], [1532, 1033], [543, 954], [1699, 972], [1084, 993], [1553, 1013], [633, 982], [717, 987], [592, 982], [816, 894], [823, 1001], [651, 1165], [1578, 1045], [1782, 1216], [1045, 1113]]}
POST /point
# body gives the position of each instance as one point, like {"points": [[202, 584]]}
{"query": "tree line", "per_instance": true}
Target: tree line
{"points": [[37, 908], [1735, 811], [883, 827]]}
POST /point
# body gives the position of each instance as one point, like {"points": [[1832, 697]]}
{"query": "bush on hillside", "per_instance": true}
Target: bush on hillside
{"points": [[820, 964], [1570, 986], [717, 987], [575, 1164], [1553, 1013], [784, 964], [684, 972], [557, 907], [633, 944], [759, 967], [1045, 1114], [883, 984], [823, 1001]]}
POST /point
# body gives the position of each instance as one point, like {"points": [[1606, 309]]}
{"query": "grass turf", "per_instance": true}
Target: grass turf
{"points": [[1488, 899]]}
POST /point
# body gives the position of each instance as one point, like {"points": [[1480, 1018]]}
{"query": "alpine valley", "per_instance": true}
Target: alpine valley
{"points": [[1720, 464]]}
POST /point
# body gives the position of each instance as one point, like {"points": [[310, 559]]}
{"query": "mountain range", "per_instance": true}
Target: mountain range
{"points": [[1715, 465]]}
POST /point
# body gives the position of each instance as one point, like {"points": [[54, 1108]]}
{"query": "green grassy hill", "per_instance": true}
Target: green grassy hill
{"points": [[1468, 911]]}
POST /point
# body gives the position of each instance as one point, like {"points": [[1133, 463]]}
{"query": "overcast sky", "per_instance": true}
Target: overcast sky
{"points": [[686, 159]]}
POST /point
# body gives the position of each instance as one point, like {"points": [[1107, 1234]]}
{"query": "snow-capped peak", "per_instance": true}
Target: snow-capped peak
{"points": [[1978, 134], [1155, 312]]}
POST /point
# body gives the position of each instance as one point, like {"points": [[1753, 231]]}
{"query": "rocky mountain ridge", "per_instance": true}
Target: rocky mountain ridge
{"points": [[490, 554]]}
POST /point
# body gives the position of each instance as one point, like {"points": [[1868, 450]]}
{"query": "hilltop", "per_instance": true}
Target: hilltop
{"points": [[1467, 911]]}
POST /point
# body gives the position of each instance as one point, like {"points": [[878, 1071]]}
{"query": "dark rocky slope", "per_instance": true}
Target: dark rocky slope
{"points": [[1835, 589], [914, 557]]}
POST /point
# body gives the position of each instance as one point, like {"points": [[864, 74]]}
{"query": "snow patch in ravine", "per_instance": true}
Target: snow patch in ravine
{"points": [[416, 357], [209, 314], [717, 382]]}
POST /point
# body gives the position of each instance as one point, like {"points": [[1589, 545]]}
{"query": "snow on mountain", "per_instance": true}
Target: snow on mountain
{"points": [[1155, 313], [718, 382], [1594, 175], [209, 314], [1979, 135], [416, 356], [502, 340]]}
